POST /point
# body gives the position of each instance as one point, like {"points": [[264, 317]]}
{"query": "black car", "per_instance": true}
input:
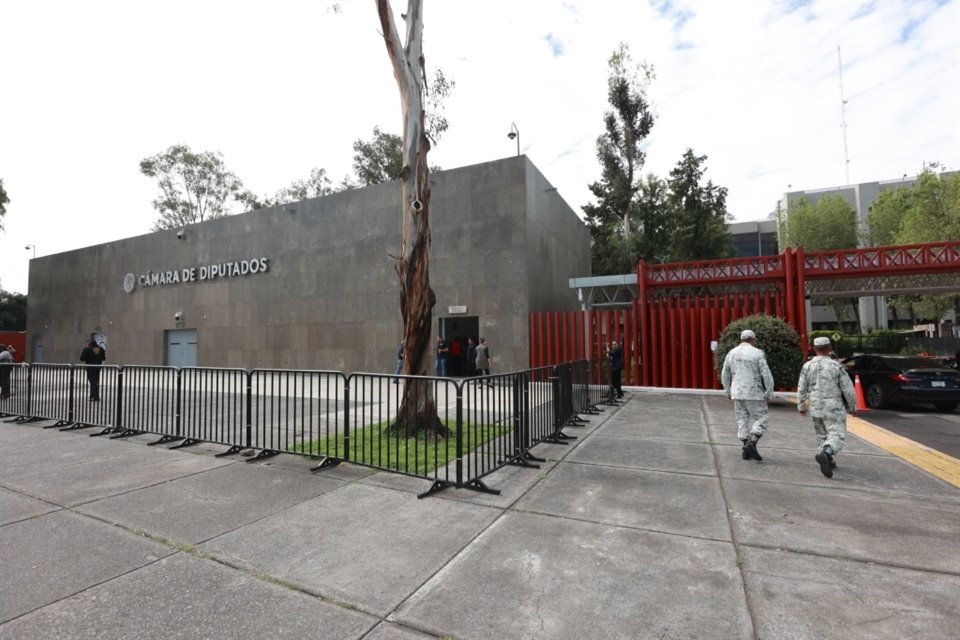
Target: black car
{"points": [[906, 379]]}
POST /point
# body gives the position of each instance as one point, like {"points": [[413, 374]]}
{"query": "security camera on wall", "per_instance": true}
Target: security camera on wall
{"points": [[180, 234], [177, 316]]}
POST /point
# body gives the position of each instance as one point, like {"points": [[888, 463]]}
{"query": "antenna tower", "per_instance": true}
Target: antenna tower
{"points": [[843, 118]]}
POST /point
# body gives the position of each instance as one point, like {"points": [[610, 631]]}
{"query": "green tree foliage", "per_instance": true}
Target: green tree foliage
{"points": [[193, 186], [698, 213], [13, 311], [926, 211], [3, 203], [829, 224], [621, 156], [379, 159], [779, 341]]}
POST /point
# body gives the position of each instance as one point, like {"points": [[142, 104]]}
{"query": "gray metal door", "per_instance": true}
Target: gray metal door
{"points": [[181, 348], [37, 349]]}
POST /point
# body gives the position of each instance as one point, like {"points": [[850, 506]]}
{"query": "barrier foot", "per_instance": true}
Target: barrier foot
{"points": [[229, 452], [325, 463], [187, 442], [559, 438], [264, 453], [438, 485], [73, 426], [164, 440], [125, 433], [478, 485], [105, 431], [526, 460], [55, 425]]}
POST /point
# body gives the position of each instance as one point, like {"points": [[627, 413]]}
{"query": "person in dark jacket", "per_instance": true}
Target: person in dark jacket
{"points": [[471, 358], [615, 353], [93, 356], [6, 368], [399, 361]]}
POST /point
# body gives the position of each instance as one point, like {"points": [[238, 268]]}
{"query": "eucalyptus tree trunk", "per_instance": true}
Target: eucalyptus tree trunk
{"points": [[418, 409]]}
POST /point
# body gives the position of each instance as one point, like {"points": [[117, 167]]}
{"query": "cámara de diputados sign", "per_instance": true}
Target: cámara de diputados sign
{"points": [[203, 273]]}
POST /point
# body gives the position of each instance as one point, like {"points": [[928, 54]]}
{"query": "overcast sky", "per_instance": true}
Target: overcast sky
{"points": [[91, 88]]}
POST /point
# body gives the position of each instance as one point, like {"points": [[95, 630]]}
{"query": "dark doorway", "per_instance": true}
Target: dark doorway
{"points": [[458, 329]]}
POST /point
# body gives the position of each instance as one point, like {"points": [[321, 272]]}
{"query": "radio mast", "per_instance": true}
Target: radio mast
{"points": [[843, 118]]}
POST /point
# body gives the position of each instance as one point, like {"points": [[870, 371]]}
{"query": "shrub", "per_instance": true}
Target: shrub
{"points": [[779, 342]]}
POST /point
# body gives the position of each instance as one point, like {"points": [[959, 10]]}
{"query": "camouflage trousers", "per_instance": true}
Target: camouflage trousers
{"points": [[747, 410], [831, 430]]}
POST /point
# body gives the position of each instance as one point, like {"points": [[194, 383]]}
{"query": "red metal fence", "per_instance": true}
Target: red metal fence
{"points": [[667, 331]]}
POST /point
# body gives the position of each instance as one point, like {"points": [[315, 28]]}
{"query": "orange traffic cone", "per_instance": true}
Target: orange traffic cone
{"points": [[861, 402]]}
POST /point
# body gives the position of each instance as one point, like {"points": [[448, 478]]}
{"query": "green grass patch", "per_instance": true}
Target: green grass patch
{"points": [[375, 445]]}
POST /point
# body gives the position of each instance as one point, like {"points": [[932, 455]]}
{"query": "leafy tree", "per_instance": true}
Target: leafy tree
{"points": [[934, 210], [651, 240], [379, 159], [3, 203], [193, 186], [620, 151], [13, 311], [698, 212], [886, 216], [828, 225]]}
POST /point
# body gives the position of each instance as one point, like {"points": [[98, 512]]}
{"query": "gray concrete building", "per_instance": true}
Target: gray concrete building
{"points": [[311, 284]]}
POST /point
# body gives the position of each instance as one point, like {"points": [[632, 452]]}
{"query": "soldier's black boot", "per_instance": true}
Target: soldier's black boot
{"points": [[744, 453], [751, 447], [825, 458]]}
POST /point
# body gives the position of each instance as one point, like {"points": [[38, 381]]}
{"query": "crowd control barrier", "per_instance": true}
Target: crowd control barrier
{"points": [[450, 432]]}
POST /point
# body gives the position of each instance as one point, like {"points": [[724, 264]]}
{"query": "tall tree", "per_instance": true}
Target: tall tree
{"points": [[418, 410], [193, 186], [828, 225], [13, 311], [3, 203], [886, 216], [379, 159], [620, 151], [698, 213]]}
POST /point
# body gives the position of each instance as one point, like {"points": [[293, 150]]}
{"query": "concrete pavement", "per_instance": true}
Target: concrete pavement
{"points": [[648, 525]]}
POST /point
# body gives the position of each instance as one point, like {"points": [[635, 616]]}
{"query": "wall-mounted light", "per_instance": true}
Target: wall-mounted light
{"points": [[180, 234], [32, 246]]}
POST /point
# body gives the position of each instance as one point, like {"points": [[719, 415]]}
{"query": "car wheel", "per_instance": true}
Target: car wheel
{"points": [[876, 398], [946, 407]]}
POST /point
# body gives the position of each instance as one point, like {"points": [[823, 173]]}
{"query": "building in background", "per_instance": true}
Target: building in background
{"points": [[312, 284]]}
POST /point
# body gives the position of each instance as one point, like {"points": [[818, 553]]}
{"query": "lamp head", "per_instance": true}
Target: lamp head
{"points": [[512, 135]]}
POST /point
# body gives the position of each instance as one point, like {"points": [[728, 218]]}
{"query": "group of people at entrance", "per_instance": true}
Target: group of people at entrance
{"points": [[824, 392], [470, 360]]}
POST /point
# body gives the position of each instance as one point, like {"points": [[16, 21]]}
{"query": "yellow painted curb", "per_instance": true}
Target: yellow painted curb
{"points": [[945, 467]]}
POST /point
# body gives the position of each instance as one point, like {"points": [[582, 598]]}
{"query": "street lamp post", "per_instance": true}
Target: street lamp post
{"points": [[32, 246], [515, 133]]}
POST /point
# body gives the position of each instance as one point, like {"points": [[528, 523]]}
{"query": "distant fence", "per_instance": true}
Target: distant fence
{"points": [[485, 423]]}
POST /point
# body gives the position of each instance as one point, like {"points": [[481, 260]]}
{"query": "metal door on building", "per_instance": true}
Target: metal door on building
{"points": [[37, 349], [181, 348]]}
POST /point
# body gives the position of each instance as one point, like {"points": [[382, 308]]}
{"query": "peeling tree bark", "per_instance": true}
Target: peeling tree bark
{"points": [[418, 409]]}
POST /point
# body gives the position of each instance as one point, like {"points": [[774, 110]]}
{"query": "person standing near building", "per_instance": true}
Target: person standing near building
{"points": [[825, 392], [748, 382], [483, 359], [6, 368], [443, 352], [471, 358], [615, 353], [399, 362], [93, 356]]}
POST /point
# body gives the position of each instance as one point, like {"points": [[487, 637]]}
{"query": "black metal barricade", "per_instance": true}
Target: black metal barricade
{"points": [[212, 406], [297, 412], [481, 424], [17, 404], [151, 402], [96, 397]]}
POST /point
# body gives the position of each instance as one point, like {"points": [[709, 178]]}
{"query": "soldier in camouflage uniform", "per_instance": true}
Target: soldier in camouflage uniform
{"points": [[825, 384], [749, 383]]}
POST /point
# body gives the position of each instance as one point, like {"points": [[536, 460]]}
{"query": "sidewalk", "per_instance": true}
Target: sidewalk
{"points": [[648, 525]]}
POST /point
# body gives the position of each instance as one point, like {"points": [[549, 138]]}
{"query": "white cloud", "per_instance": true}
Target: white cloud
{"points": [[92, 88]]}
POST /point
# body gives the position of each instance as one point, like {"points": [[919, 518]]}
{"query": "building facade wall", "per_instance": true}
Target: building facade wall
{"points": [[329, 298]]}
